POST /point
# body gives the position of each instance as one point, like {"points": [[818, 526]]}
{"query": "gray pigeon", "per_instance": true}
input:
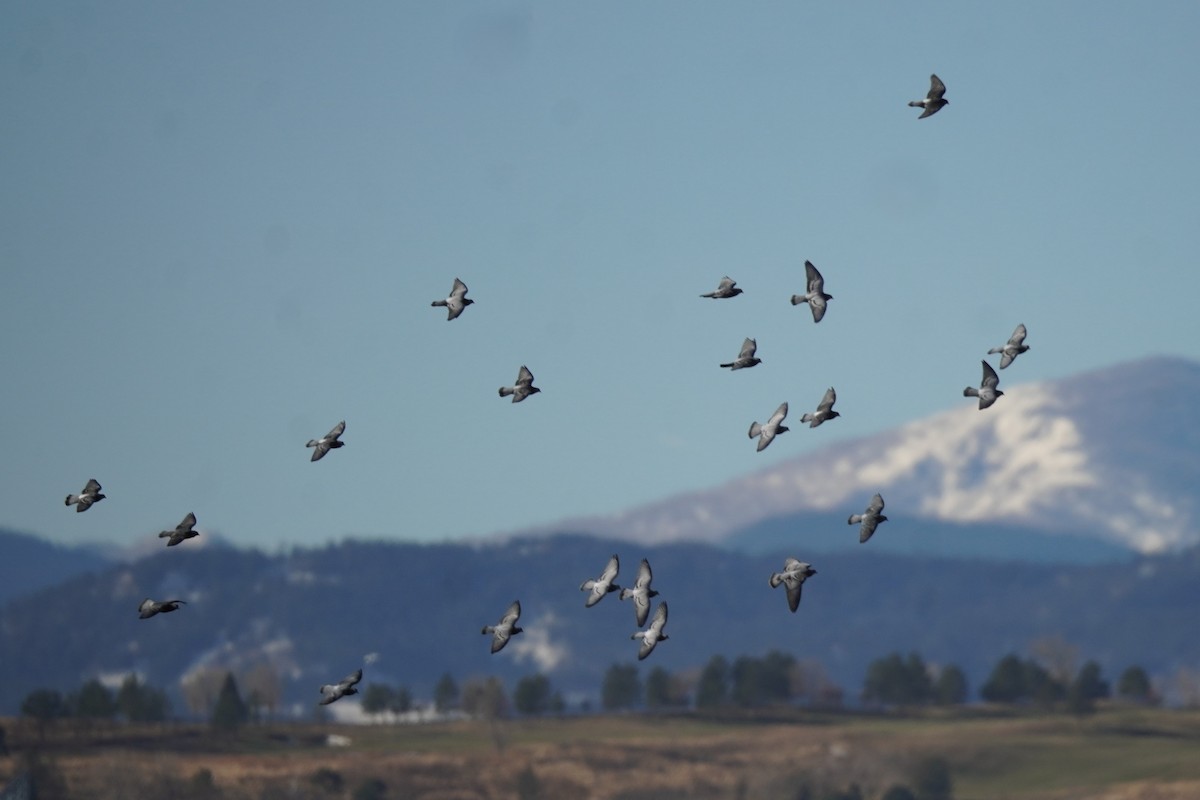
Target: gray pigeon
{"points": [[869, 519], [149, 607], [933, 102], [726, 288], [599, 587], [523, 387], [767, 432], [456, 302], [824, 410], [1013, 347], [329, 441], [90, 494], [506, 628], [182, 531], [987, 391], [795, 573], [746, 357], [336, 691], [815, 295], [654, 634], [641, 593]]}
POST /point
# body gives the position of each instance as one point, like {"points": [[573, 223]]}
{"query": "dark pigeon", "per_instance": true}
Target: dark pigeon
{"points": [[182, 531], [506, 628], [457, 300], [726, 288], [523, 387], [329, 441], [746, 357], [933, 102], [987, 391], [149, 607], [1013, 347], [84, 500], [815, 295], [869, 519], [336, 691], [795, 573], [824, 410]]}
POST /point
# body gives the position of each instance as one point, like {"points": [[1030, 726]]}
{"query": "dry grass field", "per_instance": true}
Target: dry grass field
{"points": [[1114, 755]]}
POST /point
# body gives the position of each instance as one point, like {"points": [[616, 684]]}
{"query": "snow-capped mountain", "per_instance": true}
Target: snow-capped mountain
{"points": [[1113, 454]]}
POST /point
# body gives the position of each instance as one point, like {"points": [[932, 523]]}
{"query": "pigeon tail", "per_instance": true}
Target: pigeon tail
{"points": [[797, 299], [916, 103], [807, 417], [755, 429], [505, 391], [970, 391], [71, 499], [312, 443], [437, 303], [854, 519]]}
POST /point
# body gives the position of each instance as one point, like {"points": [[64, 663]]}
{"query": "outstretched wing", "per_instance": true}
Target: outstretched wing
{"points": [[337, 430], [524, 376], [990, 378], [459, 289], [778, 416], [610, 570], [875, 506], [644, 576], [660, 619], [816, 283], [827, 401], [936, 88], [93, 486], [351, 679], [1018, 336], [512, 614], [795, 584], [188, 523], [725, 285], [748, 348]]}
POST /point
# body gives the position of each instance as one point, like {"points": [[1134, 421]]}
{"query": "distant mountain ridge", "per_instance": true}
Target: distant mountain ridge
{"points": [[28, 563], [314, 614], [1112, 454]]}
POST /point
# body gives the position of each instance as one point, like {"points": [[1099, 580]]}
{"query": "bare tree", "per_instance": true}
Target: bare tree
{"points": [[1059, 657], [200, 688]]}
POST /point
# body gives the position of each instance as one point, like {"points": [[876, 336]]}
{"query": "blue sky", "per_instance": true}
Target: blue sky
{"points": [[222, 224]]}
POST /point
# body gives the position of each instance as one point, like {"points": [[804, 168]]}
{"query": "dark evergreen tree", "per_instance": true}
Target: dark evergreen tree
{"points": [[95, 701], [44, 706], [622, 688], [658, 688], [532, 695], [139, 702], [895, 680], [951, 687], [377, 698], [445, 694], [229, 712], [1006, 684], [1134, 684], [713, 689]]}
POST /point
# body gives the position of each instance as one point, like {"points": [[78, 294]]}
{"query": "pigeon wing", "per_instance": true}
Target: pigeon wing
{"points": [[610, 570], [336, 431], [990, 378], [748, 348], [818, 305], [794, 585], [816, 283], [459, 289], [524, 376], [936, 90], [876, 505], [93, 486], [827, 401], [644, 576], [1018, 336], [188, 523], [778, 416]]}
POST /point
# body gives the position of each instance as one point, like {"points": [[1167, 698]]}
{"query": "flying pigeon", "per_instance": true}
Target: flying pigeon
{"points": [[506, 628], [456, 302], [1013, 347], [987, 391], [815, 295], [795, 573], [641, 593], [824, 410], [336, 691], [149, 607], [329, 441], [523, 388], [766, 433], [599, 587], [726, 288], [933, 101], [869, 519], [654, 634], [746, 357], [182, 531], [90, 494]]}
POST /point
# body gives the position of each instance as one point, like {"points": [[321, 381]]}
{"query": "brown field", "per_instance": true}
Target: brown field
{"points": [[1115, 755]]}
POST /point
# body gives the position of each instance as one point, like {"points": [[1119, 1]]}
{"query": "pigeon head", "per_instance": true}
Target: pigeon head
{"points": [[999, 393], [833, 414], [534, 390], [467, 301], [516, 629], [350, 690], [781, 429]]}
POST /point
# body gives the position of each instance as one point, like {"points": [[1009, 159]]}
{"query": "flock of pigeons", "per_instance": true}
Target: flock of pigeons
{"points": [[794, 573]]}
